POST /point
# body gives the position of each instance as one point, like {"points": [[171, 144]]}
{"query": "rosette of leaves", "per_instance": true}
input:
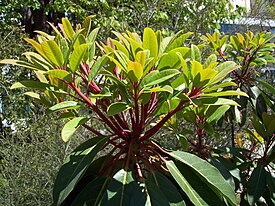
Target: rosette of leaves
{"points": [[124, 88], [252, 161]]}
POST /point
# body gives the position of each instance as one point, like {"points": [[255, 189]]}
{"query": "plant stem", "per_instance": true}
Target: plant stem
{"points": [[92, 130], [157, 127], [94, 108]]}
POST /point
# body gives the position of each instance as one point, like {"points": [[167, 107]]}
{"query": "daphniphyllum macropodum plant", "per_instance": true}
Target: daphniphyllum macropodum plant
{"points": [[126, 89]]}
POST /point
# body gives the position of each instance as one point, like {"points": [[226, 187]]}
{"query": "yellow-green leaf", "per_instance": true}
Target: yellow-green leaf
{"points": [[53, 52], [61, 74], [150, 42], [195, 68], [135, 70], [77, 56], [141, 57], [68, 28], [71, 126], [117, 107]]}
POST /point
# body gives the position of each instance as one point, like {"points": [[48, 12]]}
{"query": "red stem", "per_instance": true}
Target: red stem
{"points": [[158, 126], [138, 167], [92, 130], [95, 109]]}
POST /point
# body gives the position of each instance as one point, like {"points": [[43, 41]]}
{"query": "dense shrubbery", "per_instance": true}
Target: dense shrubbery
{"points": [[137, 87]]}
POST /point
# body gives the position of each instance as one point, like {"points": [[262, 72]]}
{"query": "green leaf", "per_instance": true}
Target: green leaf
{"points": [[33, 95], [225, 93], [200, 186], [37, 47], [196, 68], [150, 42], [61, 74], [38, 61], [123, 190], [210, 60], [178, 41], [117, 107], [268, 86], [207, 173], [71, 126], [256, 185], [77, 56], [135, 71], [270, 180], [74, 168], [259, 127], [91, 193], [157, 77], [183, 141], [53, 52], [195, 53], [67, 115], [162, 191], [223, 70], [31, 85], [185, 186], [217, 114], [96, 67], [64, 106], [21, 64], [166, 88], [121, 47], [172, 58], [214, 101], [219, 86], [68, 28]]}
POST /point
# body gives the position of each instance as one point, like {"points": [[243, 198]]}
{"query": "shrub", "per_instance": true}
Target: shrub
{"points": [[134, 88]]}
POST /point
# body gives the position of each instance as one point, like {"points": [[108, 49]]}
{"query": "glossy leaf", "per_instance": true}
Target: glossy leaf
{"points": [[61, 74], [96, 67], [135, 71], [178, 41], [212, 59], [185, 186], [150, 42], [199, 185], [77, 56], [74, 168], [117, 107], [157, 77], [171, 60], [214, 101], [92, 193], [20, 64], [225, 93], [64, 106], [219, 112], [268, 86], [208, 173], [195, 53], [30, 84], [71, 126], [162, 192], [166, 88], [256, 185], [53, 52], [123, 190], [219, 86], [68, 28], [223, 70], [37, 47]]}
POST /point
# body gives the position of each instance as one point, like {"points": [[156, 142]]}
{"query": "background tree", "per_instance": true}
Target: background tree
{"points": [[189, 15]]}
